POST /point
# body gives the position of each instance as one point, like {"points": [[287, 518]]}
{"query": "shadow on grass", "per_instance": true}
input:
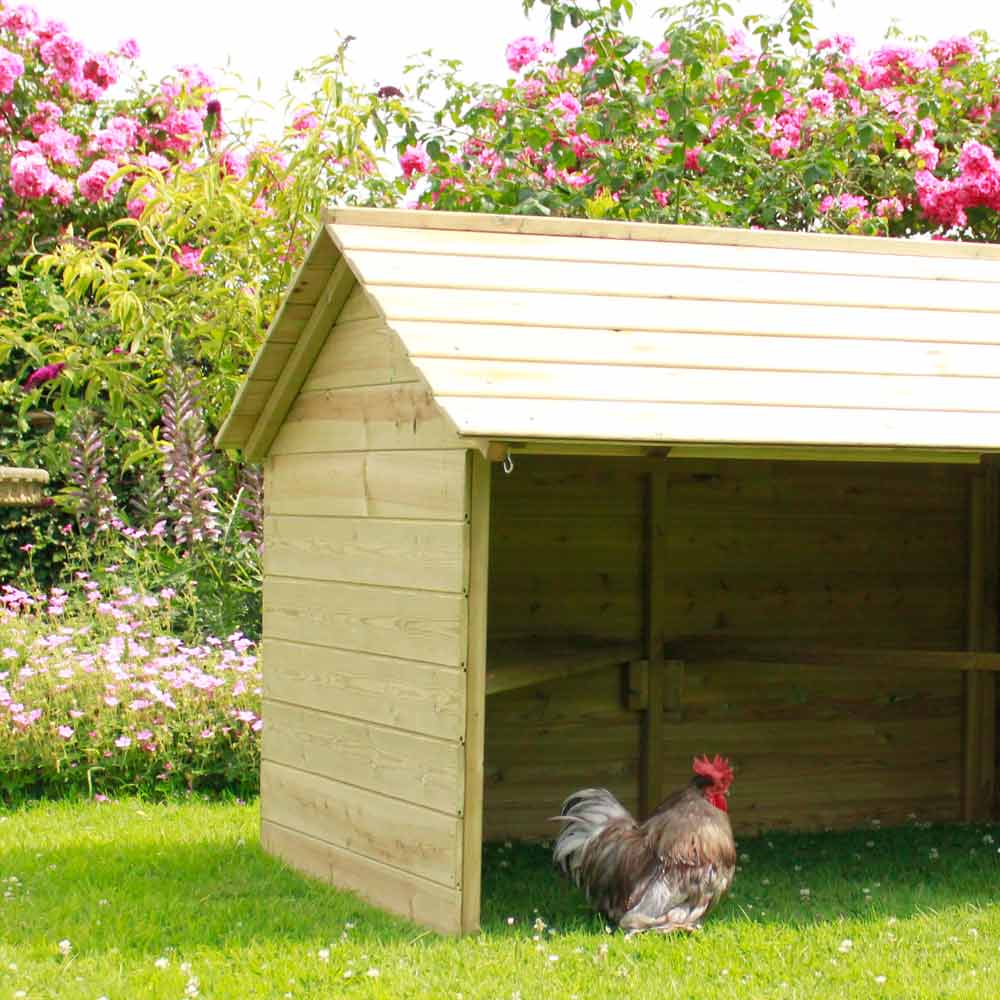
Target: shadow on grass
{"points": [[795, 880], [147, 892]]}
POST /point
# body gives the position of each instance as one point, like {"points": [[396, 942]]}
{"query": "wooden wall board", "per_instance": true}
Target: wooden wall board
{"points": [[405, 694], [378, 758], [392, 831], [418, 899], [419, 555], [388, 484]]}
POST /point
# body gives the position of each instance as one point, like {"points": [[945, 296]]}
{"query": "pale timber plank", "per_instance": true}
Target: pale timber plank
{"points": [[707, 650], [397, 833], [383, 760], [296, 368], [412, 554], [478, 576], [597, 312], [526, 246], [702, 422], [359, 306], [654, 631], [404, 694], [363, 352], [979, 695], [378, 418], [534, 380], [417, 899], [395, 484], [392, 622], [527, 662], [441, 271], [669, 349], [607, 229]]}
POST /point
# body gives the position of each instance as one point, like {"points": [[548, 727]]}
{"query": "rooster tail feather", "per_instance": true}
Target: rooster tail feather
{"points": [[585, 814]]}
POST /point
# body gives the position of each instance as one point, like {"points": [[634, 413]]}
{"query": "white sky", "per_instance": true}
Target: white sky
{"points": [[267, 41]]}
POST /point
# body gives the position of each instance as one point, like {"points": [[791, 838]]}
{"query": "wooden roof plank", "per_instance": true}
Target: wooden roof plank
{"points": [[296, 368], [705, 423], [499, 245], [670, 282]]}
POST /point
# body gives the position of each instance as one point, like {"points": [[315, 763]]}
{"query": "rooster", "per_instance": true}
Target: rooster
{"points": [[664, 874]]}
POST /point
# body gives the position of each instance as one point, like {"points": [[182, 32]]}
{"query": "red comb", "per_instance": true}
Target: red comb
{"points": [[717, 769]]}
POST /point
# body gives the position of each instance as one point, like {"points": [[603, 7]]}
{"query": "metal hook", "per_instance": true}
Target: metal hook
{"points": [[508, 464]]}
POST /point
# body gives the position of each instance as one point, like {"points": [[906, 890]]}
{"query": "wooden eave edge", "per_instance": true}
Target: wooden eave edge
{"points": [[480, 222], [225, 437]]}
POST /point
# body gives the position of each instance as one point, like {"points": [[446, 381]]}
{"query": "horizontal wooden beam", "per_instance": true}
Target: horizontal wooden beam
{"points": [[520, 663], [497, 451], [705, 650]]}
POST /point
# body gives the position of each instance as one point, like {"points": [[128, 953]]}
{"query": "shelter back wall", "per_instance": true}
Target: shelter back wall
{"points": [[845, 554]]}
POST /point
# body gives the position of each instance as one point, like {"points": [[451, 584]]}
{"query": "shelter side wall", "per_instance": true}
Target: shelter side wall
{"points": [[365, 620], [862, 555]]}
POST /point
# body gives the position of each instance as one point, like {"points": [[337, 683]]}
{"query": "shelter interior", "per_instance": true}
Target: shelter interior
{"points": [[814, 616]]}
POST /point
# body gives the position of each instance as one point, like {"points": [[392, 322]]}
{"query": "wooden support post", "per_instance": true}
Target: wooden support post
{"points": [[651, 763], [979, 694], [478, 477]]}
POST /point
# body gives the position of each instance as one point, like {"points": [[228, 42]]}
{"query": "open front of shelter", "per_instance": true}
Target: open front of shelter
{"points": [[554, 503]]}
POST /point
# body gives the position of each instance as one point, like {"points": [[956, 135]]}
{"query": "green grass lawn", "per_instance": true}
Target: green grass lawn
{"points": [[174, 901]]}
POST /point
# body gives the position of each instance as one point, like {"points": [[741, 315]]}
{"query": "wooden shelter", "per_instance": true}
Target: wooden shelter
{"points": [[553, 503]]}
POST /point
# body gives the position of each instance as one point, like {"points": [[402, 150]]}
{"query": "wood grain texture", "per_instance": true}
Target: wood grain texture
{"points": [[380, 759], [417, 899], [428, 485], [387, 553], [383, 268], [654, 633], [360, 352], [376, 418], [295, 369], [411, 624], [405, 694], [405, 835], [777, 252], [478, 574], [432, 222]]}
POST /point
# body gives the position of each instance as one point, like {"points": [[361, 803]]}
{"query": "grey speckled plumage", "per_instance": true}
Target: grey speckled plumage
{"points": [[664, 874]]}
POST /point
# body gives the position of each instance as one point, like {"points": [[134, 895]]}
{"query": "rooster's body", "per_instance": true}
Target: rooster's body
{"points": [[664, 874]]}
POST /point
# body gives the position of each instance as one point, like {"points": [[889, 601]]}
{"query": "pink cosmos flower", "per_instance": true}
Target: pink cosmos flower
{"points": [[950, 51], [414, 160], [522, 52], [129, 49], [95, 184], [123, 742], [889, 208], [11, 67], [662, 197], [188, 257], [143, 735], [65, 732], [30, 176]]}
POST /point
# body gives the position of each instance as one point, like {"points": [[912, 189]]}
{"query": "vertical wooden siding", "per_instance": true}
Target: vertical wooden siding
{"points": [[365, 623], [840, 554]]}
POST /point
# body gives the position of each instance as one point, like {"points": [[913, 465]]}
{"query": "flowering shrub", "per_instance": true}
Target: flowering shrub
{"points": [[760, 126], [98, 697]]}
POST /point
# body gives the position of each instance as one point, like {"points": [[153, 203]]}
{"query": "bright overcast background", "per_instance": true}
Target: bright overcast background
{"points": [[267, 41]]}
